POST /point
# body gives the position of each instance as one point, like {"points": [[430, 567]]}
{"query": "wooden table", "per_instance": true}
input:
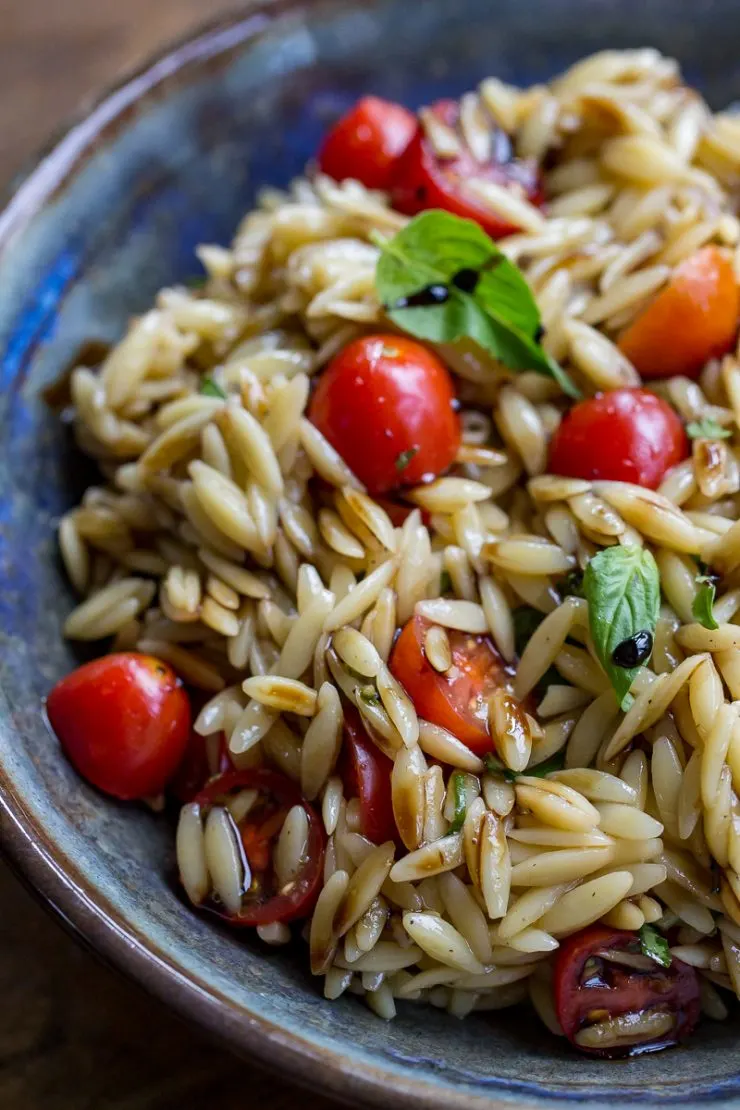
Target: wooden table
{"points": [[73, 1035]]}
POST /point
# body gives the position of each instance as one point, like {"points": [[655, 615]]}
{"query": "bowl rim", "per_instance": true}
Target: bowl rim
{"points": [[25, 845]]}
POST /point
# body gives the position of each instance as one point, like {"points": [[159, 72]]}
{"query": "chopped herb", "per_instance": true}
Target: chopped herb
{"points": [[707, 429], [405, 458], [461, 801], [445, 582], [209, 388], [654, 945], [622, 587], [702, 607], [571, 585], [370, 695], [526, 622], [424, 278], [495, 766], [197, 281]]}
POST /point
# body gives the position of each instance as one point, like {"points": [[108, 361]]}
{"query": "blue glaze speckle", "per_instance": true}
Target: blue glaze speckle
{"points": [[168, 162]]}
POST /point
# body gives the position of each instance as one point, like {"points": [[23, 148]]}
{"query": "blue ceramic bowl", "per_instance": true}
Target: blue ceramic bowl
{"points": [[110, 214]]}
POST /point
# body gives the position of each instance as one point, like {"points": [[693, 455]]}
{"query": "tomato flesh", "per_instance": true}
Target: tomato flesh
{"points": [[457, 700], [262, 904], [588, 993], [366, 774], [367, 141], [123, 721], [625, 435], [386, 404], [423, 180]]}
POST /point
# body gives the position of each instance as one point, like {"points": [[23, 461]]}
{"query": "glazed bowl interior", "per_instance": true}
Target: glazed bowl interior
{"points": [[171, 159]]}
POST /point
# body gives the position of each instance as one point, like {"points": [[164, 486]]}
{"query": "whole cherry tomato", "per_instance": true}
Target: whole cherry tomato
{"points": [[263, 903], [123, 722], [387, 405], [693, 319], [367, 141], [625, 435], [366, 774], [422, 179], [457, 700], [591, 990]]}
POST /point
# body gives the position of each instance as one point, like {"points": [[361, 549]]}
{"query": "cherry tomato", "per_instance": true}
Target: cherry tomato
{"points": [[625, 435], [367, 141], [422, 179], [457, 700], [262, 904], [590, 989], [123, 721], [693, 319], [387, 405], [194, 770], [366, 774]]}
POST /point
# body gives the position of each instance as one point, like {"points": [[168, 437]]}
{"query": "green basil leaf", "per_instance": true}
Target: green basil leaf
{"points": [[526, 622], [445, 583], [707, 429], [211, 389], [622, 587], [571, 585], [555, 763], [703, 605], [405, 458], [655, 946], [500, 313], [461, 802]]}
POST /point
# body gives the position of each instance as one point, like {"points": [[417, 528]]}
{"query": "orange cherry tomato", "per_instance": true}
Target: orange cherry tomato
{"points": [[123, 721], [693, 319], [367, 141], [625, 435], [386, 404], [457, 700]]}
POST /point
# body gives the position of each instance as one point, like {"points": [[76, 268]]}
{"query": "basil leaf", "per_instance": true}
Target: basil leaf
{"points": [[445, 583], [622, 587], [702, 607], [571, 585], [211, 389], [555, 763], [369, 695], [461, 802], [499, 313], [405, 458], [526, 622], [655, 946], [707, 429]]}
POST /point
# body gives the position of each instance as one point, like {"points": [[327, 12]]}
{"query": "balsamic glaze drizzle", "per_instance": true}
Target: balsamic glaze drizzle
{"points": [[634, 650]]}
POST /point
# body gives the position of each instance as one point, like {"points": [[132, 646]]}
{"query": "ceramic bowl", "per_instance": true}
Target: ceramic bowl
{"points": [[110, 214]]}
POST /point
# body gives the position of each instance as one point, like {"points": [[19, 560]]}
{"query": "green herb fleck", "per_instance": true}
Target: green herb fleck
{"points": [[461, 801], [622, 587], [498, 312], [571, 585], [197, 281], [209, 388], [526, 622], [654, 945], [496, 767], [702, 607], [707, 429], [405, 458], [370, 695], [445, 582]]}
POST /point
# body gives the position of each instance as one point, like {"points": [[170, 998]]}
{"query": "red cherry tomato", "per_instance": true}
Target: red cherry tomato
{"points": [[366, 774], [457, 700], [367, 141], [423, 180], [194, 770], [590, 989], [626, 435], [263, 904], [387, 405], [123, 721]]}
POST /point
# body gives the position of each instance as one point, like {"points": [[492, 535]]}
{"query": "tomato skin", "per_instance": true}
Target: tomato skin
{"points": [[382, 396], [693, 319], [675, 989], [194, 771], [423, 180], [459, 704], [366, 774], [299, 901], [367, 141], [625, 435], [123, 721]]}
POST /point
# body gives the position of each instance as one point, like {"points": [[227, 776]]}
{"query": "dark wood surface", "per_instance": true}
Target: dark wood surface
{"points": [[73, 1035]]}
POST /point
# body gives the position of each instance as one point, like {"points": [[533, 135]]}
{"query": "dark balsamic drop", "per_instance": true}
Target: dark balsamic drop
{"points": [[429, 295], [466, 280], [634, 650]]}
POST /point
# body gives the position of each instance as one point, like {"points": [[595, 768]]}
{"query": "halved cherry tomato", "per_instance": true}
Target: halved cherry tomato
{"points": [[422, 179], [625, 435], [693, 319], [194, 770], [457, 700], [366, 774], [590, 990], [123, 721], [367, 141], [262, 904], [387, 405]]}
